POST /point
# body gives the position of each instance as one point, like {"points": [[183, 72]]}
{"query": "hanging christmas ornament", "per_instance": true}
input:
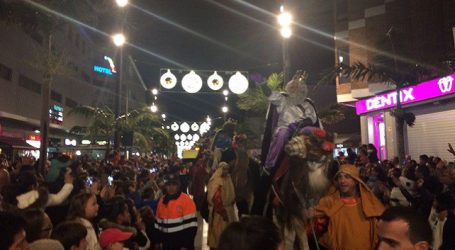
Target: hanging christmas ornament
{"points": [[215, 81], [174, 126], [168, 80], [194, 127], [184, 127], [192, 82], [238, 83]]}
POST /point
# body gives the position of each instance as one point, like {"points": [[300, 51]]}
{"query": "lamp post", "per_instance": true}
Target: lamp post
{"points": [[118, 40]]}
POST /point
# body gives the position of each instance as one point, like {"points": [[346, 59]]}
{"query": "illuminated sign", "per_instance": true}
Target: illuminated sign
{"points": [[106, 71], [102, 70], [420, 92], [111, 63], [34, 138], [56, 114], [70, 142]]}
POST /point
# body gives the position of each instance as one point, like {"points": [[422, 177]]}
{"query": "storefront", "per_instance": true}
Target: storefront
{"points": [[433, 104]]}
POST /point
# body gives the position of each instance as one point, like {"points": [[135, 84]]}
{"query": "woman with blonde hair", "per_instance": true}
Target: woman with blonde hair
{"points": [[221, 200]]}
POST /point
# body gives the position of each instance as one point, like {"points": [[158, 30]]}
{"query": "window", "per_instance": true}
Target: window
{"points": [[6, 72], [341, 10], [29, 84], [71, 103], [56, 96], [343, 59]]}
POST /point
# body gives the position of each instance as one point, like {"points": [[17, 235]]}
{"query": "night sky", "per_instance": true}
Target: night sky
{"points": [[231, 35]]}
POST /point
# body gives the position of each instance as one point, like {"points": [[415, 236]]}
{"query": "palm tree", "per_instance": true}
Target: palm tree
{"points": [[102, 124], [147, 130], [143, 125]]}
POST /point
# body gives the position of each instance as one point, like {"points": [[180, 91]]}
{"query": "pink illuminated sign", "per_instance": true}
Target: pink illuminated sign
{"points": [[420, 92]]}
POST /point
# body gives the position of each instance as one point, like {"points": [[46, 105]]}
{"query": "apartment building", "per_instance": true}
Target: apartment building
{"points": [[86, 77], [420, 32]]}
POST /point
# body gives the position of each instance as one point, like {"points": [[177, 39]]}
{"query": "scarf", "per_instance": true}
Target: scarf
{"points": [[169, 197]]}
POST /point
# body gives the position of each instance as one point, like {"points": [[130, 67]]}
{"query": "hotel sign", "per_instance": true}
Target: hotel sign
{"points": [[106, 71], [420, 92]]}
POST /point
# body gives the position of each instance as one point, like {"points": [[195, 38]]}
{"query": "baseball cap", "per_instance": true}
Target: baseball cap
{"points": [[112, 235]]}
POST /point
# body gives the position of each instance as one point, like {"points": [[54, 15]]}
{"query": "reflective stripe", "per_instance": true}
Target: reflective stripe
{"points": [[177, 220], [177, 228]]}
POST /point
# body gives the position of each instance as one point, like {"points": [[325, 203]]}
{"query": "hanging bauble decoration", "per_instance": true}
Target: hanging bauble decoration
{"points": [[194, 127], [168, 80], [238, 83], [184, 127], [192, 82], [215, 81]]}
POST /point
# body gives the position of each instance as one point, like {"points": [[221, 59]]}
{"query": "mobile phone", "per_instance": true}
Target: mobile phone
{"points": [[110, 179], [89, 181]]}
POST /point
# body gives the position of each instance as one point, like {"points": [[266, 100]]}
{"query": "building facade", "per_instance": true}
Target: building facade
{"points": [[413, 32], [86, 76]]}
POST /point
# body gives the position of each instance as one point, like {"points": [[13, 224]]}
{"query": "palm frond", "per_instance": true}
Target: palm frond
{"points": [[275, 81]]}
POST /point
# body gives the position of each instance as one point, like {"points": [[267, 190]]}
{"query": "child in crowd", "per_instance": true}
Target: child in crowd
{"points": [[72, 235], [111, 239], [84, 208]]}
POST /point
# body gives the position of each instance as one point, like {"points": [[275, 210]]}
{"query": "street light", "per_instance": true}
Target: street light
{"points": [[286, 32], [284, 18], [119, 39], [224, 109], [121, 3], [163, 116], [225, 92], [154, 91]]}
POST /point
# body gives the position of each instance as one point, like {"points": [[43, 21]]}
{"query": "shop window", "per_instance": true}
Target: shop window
{"points": [[6, 72], [29, 84], [56, 96], [343, 59], [70, 103]]}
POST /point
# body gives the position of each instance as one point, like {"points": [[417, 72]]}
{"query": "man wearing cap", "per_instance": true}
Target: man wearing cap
{"points": [[176, 218], [111, 238], [352, 210]]}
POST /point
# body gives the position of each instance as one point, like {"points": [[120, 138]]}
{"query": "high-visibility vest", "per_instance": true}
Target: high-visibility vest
{"points": [[177, 215]]}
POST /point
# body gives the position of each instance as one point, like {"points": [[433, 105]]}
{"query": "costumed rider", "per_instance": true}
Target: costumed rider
{"points": [[295, 111], [222, 142]]}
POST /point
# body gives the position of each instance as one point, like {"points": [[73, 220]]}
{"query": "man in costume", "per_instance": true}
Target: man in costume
{"points": [[352, 210], [295, 111], [221, 199]]}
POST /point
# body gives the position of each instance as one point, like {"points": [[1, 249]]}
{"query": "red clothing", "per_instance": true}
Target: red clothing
{"points": [[200, 177]]}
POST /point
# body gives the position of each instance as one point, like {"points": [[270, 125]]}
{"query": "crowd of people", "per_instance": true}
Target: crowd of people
{"points": [[425, 187], [153, 202]]}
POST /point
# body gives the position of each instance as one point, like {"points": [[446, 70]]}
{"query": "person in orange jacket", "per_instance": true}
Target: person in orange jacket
{"points": [[176, 217]]}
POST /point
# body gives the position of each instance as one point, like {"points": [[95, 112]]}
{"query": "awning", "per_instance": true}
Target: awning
{"points": [[15, 143]]}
